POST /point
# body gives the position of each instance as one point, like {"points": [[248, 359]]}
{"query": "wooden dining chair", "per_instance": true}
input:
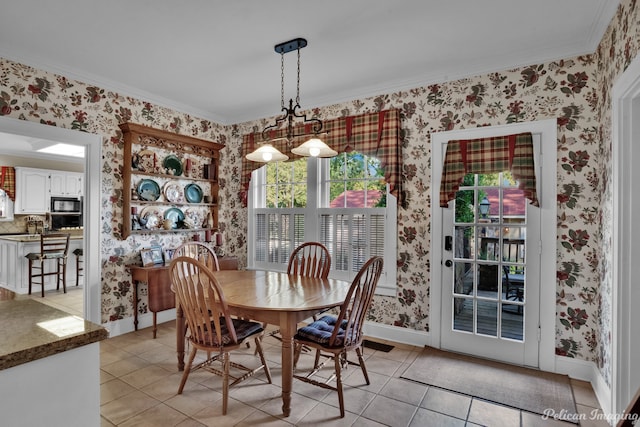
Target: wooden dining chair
{"points": [[334, 337], [211, 327], [310, 259], [53, 247], [199, 251]]}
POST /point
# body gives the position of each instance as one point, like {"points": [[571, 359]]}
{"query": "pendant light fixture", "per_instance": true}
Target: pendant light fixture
{"points": [[314, 147]]}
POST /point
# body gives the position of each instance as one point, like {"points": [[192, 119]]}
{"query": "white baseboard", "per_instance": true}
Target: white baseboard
{"points": [[124, 326], [586, 371], [394, 333]]}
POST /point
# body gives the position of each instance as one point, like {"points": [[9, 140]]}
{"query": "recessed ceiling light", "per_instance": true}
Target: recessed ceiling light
{"points": [[64, 150]]}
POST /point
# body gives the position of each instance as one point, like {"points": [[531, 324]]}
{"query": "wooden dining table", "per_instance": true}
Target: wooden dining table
{"points": [[275, 298]]}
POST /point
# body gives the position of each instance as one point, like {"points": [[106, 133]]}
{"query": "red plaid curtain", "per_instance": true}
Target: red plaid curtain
{"points": [[8, 181], [374, 134], [489, 155]]}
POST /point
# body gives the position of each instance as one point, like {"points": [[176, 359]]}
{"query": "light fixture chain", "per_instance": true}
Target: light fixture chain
{"points": [[298, 87], [282, 81]]}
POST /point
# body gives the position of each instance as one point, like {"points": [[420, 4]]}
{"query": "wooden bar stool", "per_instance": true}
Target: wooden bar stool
{"points": [[79, 253], [52, 247]]}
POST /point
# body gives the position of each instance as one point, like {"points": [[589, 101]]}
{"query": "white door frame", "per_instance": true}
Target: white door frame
{"points": [[547, 187], [92, 211], [625, 344]]}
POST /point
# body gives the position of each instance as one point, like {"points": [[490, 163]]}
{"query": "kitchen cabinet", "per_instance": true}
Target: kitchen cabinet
{"points": [[168, 177], [14, 267], [66, 184], [32, 188]]}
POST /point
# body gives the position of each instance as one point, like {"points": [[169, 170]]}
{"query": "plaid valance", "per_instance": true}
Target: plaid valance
{"points": [[8, 181], [375, 134], [489, 155]]}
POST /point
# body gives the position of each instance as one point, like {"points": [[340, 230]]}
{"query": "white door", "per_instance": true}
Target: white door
{"points": [[490, 280], [538, 292]]}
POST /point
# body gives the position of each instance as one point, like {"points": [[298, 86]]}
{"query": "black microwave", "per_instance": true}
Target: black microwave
{"points": [[66, 205]]}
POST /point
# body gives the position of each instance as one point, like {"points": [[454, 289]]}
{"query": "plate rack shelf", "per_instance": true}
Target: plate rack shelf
{"points": [[161, 158]]}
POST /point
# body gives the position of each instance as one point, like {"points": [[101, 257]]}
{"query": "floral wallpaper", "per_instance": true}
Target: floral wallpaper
{"points": [[575, 91]]}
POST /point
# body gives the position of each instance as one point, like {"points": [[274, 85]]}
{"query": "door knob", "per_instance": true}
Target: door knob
{"points": [[448, 263]]}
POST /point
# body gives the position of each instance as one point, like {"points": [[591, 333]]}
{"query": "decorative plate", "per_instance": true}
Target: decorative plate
{"points": [[148, 190], [151, 216], [194, 217], [172, 165], [144, 161], [175, 215], [193, 193], [173, 193]]}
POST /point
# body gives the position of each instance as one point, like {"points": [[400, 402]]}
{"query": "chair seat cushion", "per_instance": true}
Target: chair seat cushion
{"points": [[320, 332], [244, 329], [49, 255]]}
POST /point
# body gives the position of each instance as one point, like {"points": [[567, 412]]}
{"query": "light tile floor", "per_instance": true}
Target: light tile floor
{"points": [[139, 381], [72, 302]]}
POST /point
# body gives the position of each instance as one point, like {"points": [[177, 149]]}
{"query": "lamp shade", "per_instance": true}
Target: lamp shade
{"points": [[267, 153], [314, 148]]}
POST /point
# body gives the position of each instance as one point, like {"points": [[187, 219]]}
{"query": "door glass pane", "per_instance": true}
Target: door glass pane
{"points": [[464, 207], [488, 318], [463, 278], [513, 322], [488, 280], [513, 283], [463, 242], [513, 245], [513, 203], [489, 243], [463, 314], [489, 179]]}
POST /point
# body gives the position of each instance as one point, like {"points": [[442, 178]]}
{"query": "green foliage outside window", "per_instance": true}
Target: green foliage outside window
{"points": [[286, 183], [355, 171]]}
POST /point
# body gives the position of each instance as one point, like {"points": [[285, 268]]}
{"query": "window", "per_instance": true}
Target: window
{"points": [[6, 207], [342, 202]]}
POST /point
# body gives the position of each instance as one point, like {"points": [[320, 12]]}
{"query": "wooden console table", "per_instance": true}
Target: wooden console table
{"points": [[161, 297]]}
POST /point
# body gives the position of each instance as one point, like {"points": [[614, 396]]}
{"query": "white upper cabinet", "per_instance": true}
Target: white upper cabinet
{"points": [[34, 188], [67, 184], [32, 191]]}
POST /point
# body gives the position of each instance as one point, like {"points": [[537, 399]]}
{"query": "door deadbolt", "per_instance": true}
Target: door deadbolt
{"points": [[448, 263]]}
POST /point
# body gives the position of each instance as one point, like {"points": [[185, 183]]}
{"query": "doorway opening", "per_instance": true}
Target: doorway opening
{"points": [[625, 237], [91, 234]]}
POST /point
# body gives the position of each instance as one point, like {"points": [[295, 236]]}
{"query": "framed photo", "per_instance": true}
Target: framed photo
{"points": [[147, 257], [168, 254], [156, 254]]}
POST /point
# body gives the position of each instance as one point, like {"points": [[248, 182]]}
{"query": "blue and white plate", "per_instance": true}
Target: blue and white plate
{"points": [[175, 215], [193, 193], [148, 190]]}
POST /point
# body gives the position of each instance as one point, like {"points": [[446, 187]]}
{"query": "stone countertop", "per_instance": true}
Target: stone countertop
{"points": [[32, 237], [32, 330]]}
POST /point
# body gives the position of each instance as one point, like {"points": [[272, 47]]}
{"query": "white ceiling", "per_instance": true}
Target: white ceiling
{"points": [[215, 58]]}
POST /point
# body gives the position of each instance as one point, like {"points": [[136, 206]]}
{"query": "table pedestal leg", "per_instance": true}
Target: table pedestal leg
{"points": [[287, 330]]}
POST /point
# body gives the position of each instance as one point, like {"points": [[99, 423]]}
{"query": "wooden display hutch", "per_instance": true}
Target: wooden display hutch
{"points": [[172, 171]]}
